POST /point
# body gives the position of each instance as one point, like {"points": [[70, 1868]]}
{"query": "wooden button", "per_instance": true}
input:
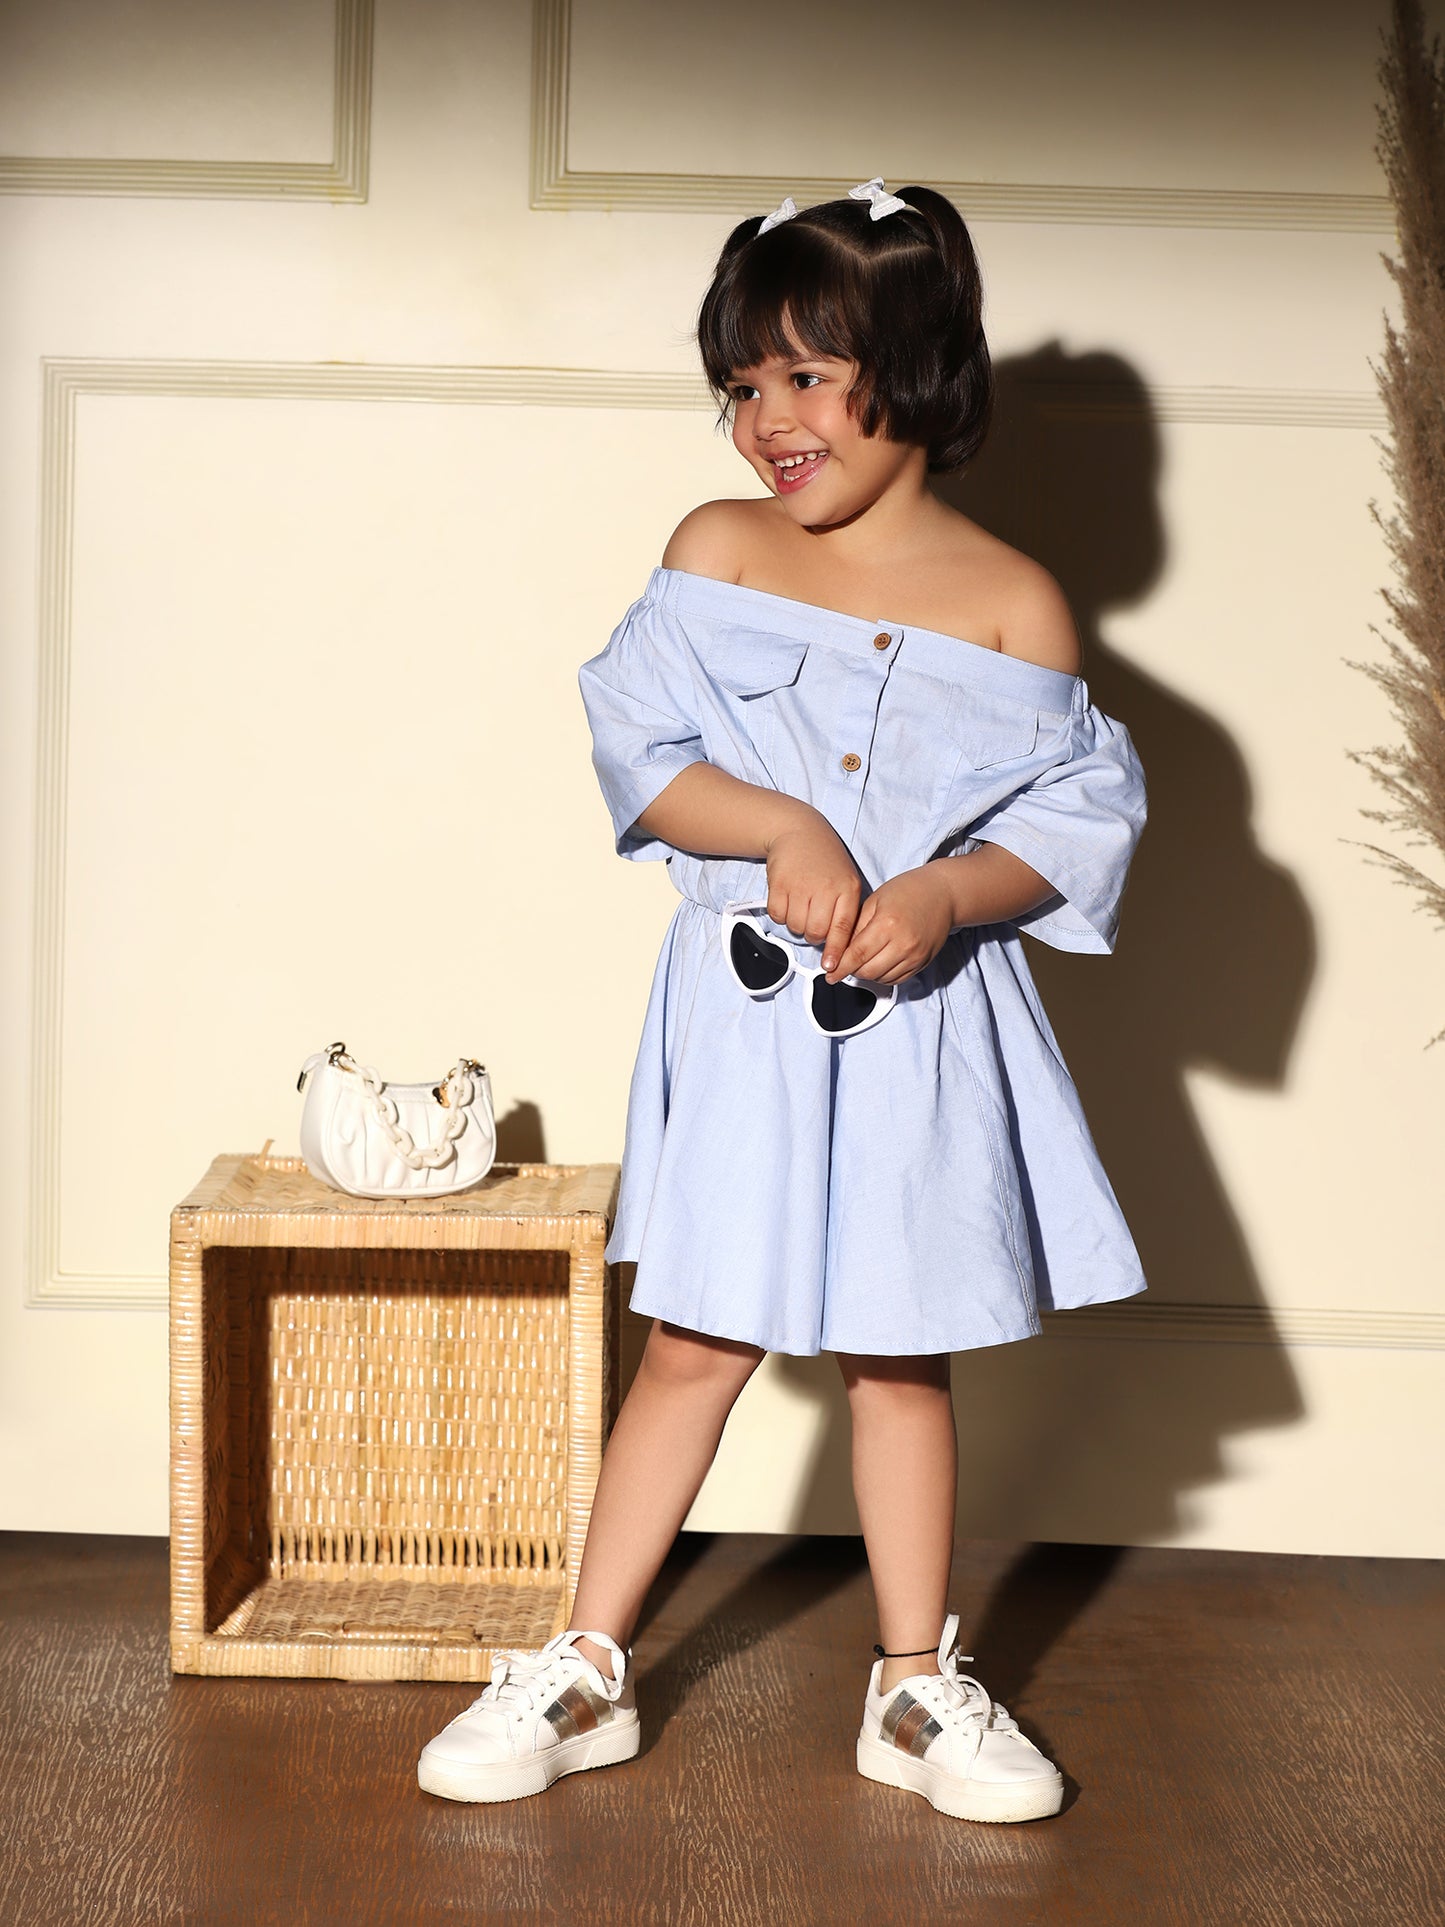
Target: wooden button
{"points": [[851, 762], [881, 642]]}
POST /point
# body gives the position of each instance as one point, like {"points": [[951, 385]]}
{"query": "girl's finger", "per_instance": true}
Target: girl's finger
{"points": [[894, 969], [842, 931], [876, 966], [892, 961], [863, 957], [869, 937], [822, 908], [839, 948]]}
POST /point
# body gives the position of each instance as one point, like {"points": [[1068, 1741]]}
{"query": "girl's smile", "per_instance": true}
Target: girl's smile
{"points": [[793, 472], [791, 424]]}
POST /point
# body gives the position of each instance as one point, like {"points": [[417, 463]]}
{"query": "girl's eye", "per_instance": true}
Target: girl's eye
{"points": [[744, 391]]}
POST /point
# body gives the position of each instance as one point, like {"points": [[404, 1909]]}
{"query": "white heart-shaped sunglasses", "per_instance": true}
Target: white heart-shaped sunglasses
{"points": [[762, 965]]}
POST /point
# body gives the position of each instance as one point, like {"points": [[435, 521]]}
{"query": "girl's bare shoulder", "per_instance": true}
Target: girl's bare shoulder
{"points": [[1028, 613], [713, 538]]}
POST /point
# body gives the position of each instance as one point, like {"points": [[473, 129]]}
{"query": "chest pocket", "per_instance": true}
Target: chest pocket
{"points": [[990, 728], [749, 664], [753, 675]]}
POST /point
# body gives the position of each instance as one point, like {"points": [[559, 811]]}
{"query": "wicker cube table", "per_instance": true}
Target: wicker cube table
{"points": [[387, 1418]]}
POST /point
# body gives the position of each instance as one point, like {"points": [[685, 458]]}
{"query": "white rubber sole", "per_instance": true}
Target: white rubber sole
{"points": [[985, 1800], [515, 1779]]}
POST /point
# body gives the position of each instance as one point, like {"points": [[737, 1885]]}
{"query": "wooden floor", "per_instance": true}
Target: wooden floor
{"points": [[1247, 1741]]}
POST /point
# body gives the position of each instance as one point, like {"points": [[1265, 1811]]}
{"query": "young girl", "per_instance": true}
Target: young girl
{"points": [[854, 725]]}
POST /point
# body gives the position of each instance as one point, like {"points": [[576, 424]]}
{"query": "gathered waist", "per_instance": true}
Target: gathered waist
{"points": [[780, 931], [708, 883], [732, 880]]}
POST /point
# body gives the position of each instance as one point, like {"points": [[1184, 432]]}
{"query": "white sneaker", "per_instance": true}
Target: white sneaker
{"points": [[542, 1714], [941, 1735]]}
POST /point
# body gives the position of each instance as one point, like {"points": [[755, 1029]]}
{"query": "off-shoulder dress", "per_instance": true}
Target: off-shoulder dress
{"points": [[930, 1184]]}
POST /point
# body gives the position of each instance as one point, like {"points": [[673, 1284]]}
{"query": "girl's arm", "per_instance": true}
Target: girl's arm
{"points": [[813, 883], [708, 812], [988, 885]]}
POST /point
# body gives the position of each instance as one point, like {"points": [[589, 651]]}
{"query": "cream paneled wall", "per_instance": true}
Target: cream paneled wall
{"points": [[386, 677], [313, 509], [178, 79], [1183, 100], [186, 97]]}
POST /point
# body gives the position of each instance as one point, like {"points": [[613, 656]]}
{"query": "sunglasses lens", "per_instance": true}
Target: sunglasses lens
{"points": [[841, 1007], [759, 964]]}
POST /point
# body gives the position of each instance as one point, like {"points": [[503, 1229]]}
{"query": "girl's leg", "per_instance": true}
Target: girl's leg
{"points": [[905, 1479], [665, 1437]]}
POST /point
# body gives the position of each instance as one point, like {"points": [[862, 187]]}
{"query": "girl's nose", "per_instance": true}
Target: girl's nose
{"points": [[773, 418]]}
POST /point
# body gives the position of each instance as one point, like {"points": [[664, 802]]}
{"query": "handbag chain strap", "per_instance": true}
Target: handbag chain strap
{"points": [[460, 1089]]}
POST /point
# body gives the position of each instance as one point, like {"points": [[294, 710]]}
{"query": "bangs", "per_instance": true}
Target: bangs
{"points": [[788, 300]]}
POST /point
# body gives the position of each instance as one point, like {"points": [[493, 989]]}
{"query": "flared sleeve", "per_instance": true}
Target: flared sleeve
{"points": [[641, 702], [1077, 822]]}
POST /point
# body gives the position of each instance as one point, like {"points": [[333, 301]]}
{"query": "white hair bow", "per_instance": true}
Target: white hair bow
{"points": [[784, 211], [883, 202]]}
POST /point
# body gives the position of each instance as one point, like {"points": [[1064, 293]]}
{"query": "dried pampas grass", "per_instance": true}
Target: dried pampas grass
{"points": [[1411, 378]]}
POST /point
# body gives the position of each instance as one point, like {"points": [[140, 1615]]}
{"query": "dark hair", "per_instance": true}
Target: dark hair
{"points": [[901, 296]]}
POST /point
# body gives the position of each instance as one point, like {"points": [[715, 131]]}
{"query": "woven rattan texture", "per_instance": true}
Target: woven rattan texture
{"points": [[373, 1612], [387, 1418], [534, 1196], [403, 1412]]}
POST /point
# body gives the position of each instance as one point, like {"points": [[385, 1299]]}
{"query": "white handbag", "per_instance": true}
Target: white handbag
{"points": [[378, 1140]]}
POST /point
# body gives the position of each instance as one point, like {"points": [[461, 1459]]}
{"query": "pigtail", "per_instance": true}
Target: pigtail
{"points": [[746, 230], [965, 367]]}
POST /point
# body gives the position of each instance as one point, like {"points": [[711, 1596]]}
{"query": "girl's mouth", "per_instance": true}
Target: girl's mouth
{"points": [[789, 480]]}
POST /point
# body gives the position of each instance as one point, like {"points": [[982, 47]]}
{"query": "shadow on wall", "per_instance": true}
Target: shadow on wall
{"points": [[1101, 1442]]}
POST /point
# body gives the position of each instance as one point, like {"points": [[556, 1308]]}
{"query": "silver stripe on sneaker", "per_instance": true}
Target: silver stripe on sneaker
{"points": [[908, 1724], [577, 1709]]}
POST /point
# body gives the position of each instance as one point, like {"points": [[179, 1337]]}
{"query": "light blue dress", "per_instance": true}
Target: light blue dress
{"points": [[930, 1184]]}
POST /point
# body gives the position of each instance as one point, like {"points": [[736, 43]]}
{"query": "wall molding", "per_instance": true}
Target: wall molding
{"points": [[557, 187], [1244, 407], [65, 381], [527, 386], [343, 178], [1363, 1330]]}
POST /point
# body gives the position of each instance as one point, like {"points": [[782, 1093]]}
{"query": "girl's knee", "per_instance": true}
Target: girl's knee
{"points": [[675, 1356], [883, 1377]]}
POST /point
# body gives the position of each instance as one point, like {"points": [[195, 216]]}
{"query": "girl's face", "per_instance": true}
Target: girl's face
{"points": [[791, 425]]}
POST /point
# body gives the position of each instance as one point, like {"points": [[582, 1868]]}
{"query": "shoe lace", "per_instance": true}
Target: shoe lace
{"points": [[966, 1701], [521, 1676]]}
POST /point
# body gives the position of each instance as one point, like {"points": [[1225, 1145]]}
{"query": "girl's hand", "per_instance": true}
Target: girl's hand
{"points": [[813, 883], [901, 927]]}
